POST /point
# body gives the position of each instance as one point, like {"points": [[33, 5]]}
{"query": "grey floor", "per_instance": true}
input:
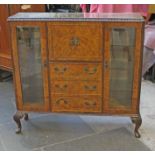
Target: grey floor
{"points": [[76, 132]]}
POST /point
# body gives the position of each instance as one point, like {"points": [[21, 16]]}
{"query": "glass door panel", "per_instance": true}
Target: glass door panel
{"points": [[29, 51], [122, 46]]}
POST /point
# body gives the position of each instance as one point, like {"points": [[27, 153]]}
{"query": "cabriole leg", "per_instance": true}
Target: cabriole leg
{"points": [[17, 117], [137, 121]]}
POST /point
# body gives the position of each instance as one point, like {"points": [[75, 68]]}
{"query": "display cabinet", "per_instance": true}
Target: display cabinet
{"points": [[80, 63]]}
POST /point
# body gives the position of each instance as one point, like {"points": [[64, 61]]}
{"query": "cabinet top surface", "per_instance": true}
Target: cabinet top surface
{"points": [[125, 17]]}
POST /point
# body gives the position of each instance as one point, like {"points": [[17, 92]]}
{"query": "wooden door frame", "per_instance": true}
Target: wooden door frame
{"points": [[17, 80], [137, 68]]}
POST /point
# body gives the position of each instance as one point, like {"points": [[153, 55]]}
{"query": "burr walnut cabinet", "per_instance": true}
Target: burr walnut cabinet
{"points": [[77, 63]]}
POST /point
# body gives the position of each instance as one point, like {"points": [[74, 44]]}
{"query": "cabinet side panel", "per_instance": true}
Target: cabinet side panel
{"points": [[138, 67]]}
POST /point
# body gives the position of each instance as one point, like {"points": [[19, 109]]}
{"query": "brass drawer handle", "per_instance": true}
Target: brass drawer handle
{"points": [[74, 41], [91, 88], [90, 103], [92, 71], [59, 101], [62, 70], [61, 87]]}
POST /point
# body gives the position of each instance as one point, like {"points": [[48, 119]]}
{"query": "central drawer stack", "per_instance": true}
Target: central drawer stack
{"points": [[75, 58]]}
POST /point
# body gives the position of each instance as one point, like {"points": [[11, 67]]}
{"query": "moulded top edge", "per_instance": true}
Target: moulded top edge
{"points": [[135, 17]]}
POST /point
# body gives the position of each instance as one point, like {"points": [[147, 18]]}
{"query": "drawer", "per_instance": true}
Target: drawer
{"points": [[75, 42], [76, 87], [76, 71], [76, 104]]}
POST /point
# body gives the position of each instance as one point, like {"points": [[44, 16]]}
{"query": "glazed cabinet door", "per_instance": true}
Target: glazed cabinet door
{"points": [[122, 72], [30, 65]]}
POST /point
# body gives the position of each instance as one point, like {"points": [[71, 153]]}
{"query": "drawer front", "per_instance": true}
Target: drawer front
{"points": [[76, 87], [75, 42], [76, 71], [76, 104]]}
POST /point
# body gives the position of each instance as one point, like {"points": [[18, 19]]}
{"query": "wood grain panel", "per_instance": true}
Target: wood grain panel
{"points": [[75, 71], [76, 104], [76, 87], [75, 42]]}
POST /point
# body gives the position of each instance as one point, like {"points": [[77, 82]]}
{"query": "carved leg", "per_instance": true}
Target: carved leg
{"points": [[17, 117], [137, 121]]}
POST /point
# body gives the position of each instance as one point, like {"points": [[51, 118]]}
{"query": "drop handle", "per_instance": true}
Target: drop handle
{"points": [[90, 103], [61, 100], [91, 88], [90, 71], [60, 70], [62, 87]]}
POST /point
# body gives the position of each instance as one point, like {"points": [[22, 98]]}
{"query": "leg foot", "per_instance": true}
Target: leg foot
{"points": [[17, 117], [137, 121]]}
